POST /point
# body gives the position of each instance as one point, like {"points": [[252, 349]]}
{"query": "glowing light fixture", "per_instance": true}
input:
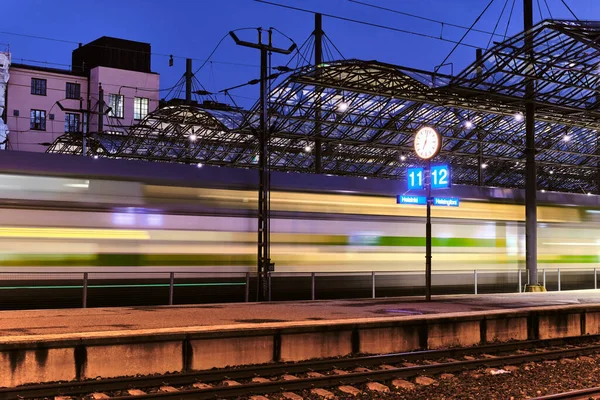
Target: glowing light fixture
{"points": [[566, 138], [402, 157], [308, 148], [484, 166], [519, 117], [199, 165], [193, 137], [342, 106], [468, 124]]}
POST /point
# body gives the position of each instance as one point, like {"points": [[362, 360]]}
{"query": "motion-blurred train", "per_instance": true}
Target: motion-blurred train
{"points": [[59, 212]]}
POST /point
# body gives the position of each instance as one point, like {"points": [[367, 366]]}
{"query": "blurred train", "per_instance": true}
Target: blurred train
{"points": [[59, 212]]}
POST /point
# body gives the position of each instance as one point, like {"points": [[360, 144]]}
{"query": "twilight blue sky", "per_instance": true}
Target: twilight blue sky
{"points": [[192, 28]]}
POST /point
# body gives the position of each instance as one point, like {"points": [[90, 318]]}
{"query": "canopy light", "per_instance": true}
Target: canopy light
{"points": [[342, 106]]}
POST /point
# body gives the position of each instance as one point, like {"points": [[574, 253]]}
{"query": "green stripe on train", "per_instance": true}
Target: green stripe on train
{"points": [[438, 242]]}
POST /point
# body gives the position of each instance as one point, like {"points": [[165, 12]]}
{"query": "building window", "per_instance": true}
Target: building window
{"points": [[38, 120], [71, 122], [38, 86], [115, 102], [73, 91], [140, 107]]}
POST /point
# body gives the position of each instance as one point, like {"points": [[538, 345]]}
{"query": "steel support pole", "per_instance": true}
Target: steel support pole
{"points": [[558, 272], [263, 204], [263, 259], [530, 166], [595, 278], [313, 285], [171, 287], [247, 295], [85, 289], [428, 236], [188, 81], [318, 60], [373, 284], [475, 280]]}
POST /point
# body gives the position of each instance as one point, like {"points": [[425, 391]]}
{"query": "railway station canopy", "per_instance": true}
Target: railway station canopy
{"points": [[363, 115]]}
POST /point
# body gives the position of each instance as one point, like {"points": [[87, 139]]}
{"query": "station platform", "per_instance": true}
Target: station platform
{"points": [[78, 344]]}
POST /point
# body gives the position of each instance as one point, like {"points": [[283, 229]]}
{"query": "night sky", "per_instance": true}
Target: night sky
{"points": [[192, 28]]}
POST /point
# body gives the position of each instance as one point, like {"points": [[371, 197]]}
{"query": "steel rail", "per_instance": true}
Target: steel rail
{"points": [[573, 394]]}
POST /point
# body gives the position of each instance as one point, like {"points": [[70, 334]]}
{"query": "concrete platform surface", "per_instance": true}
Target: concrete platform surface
{"points": [[31, 324]]}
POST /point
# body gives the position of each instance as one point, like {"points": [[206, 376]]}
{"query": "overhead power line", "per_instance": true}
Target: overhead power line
{"points": [[368, 24], [134, 51], [437, 21]]}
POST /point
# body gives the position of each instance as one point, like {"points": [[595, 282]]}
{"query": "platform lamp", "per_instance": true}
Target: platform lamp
{"points": [[427, 144]]}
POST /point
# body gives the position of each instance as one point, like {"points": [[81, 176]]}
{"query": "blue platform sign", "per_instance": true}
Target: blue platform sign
{"points": [[415, 178], [440, 177], [446, 201], [416, 200]]}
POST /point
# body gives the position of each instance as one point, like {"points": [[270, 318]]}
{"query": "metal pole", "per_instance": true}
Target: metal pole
{"points": [[530, 167], [318, 60], [544, 277], [263, 259], [263, 190], [519, 280], [188, 81], [373, 284], [558, 279], [269, 285], [428, 237], [171, 287], [595, 279], [313, 282], [475, 278], [247, 296], [85, 289]]}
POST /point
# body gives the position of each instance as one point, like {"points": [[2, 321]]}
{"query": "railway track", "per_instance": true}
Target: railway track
{"points": [[284, 377]]}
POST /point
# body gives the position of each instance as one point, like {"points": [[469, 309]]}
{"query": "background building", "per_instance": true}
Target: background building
{"points": [[44, 103]]}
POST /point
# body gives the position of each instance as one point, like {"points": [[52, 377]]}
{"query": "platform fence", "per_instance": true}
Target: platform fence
{"points": [[93, 287]]}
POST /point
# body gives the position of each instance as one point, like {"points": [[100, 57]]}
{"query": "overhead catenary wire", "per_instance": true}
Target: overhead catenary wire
{"points": [[437, 21], [466, 33], [497, 23], [368, 23], [132, 51], [569, 8]]}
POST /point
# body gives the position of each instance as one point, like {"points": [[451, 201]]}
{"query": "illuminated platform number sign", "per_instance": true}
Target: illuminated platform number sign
{"points": [[440, 177], [415, 178]]}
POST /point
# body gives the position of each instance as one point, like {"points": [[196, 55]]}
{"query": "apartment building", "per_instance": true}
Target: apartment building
{"points": [[43, 103]]}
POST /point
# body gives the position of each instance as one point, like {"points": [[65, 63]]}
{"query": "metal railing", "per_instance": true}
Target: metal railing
{"points": [[368, 283]]}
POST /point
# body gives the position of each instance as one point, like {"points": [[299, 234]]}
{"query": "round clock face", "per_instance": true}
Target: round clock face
{"points": [[427, 143]]}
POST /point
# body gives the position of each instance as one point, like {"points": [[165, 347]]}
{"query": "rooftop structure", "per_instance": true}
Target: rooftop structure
{"points": [[363, 115]]}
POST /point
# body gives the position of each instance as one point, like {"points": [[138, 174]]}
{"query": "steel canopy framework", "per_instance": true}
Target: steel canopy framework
{"points": [[368, 112]]}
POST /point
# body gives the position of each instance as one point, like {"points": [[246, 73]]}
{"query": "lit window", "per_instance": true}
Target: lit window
{"points": [[71, 122], [38, 120], [140, 107], [38, 86], [73, 91], [115, 102]]}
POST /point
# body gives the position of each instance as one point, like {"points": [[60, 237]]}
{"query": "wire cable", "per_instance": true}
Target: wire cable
{"points": [[510, 17], [497, 23], [467, 32], [569, 8], [212, 52], [367, 23], [424, 18]]}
